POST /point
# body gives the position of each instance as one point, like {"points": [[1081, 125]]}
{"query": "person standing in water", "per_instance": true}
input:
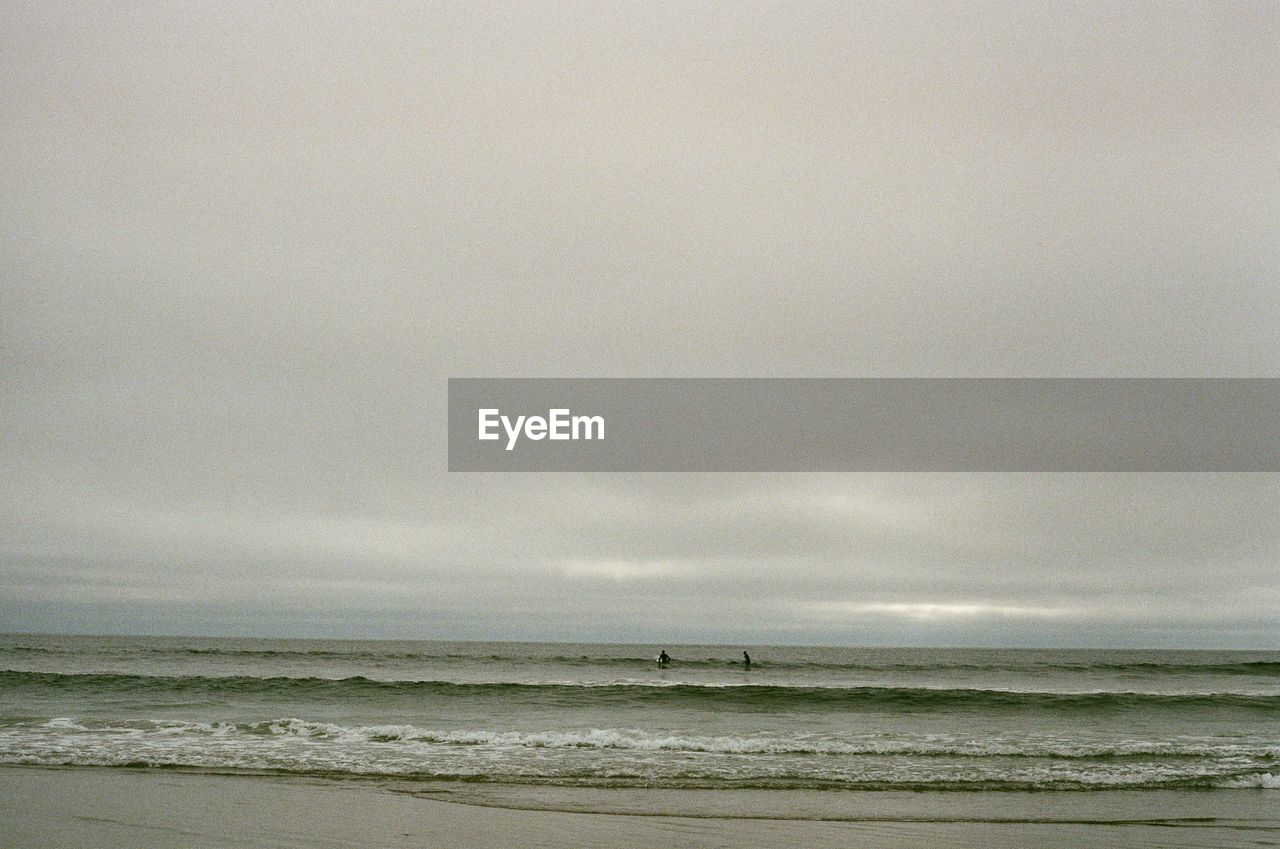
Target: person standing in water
{"points": [[746, 659], [663, 658]]}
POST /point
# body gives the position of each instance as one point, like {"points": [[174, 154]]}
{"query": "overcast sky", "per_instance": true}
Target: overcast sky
{"points": [[244, 247]]}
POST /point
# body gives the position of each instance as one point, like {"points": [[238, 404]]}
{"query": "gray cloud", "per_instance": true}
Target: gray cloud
{"points": [[244, 247]]}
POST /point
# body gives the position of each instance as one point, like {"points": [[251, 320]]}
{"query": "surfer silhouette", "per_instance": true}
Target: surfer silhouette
{"points": [[663, 658], [746, 659]]}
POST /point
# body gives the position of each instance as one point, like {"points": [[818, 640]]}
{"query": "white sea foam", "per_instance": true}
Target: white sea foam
{"points": [[640, 740], [1265, 781], [648, 756]]}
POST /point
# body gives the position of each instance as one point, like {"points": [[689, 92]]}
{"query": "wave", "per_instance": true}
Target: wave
{"points": [[629, 757], [1263, 781], [1179, 667], [710, 696], [635, 739], [624, 779], [633, 757]]}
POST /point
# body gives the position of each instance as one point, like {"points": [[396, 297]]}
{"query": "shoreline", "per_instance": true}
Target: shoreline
{"points": [[72, 806]]}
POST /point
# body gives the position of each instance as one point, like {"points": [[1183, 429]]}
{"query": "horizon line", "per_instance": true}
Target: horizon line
{"points": [[739, 644]]}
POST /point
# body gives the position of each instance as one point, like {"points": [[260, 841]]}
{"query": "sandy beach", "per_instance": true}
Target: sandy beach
{"points": [[146, 809]]}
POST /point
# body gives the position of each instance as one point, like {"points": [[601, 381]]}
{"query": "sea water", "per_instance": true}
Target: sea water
{"points": [[605, 717]]}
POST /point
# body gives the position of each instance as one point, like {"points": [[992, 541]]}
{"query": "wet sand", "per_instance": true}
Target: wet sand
{"points": [[67, 808]]}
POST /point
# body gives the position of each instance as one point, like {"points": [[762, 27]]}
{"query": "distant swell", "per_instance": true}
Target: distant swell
{"points": [[1253, 668], [721, 697]]}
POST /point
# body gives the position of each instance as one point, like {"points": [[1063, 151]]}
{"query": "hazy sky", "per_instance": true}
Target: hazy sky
{"points": [[244, 246]]}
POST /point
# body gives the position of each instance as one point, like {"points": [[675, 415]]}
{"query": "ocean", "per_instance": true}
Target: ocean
{"points": [[602, 717]]}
